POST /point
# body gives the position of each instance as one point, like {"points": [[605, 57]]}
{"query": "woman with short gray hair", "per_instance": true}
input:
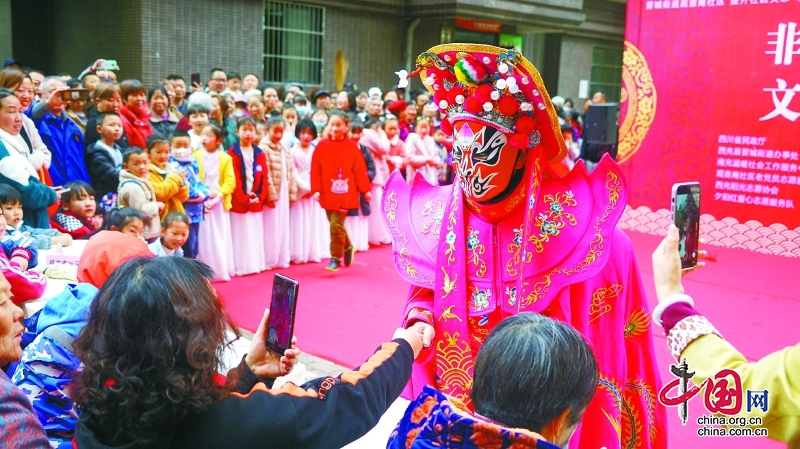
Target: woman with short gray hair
{"points": [[534, 379]]}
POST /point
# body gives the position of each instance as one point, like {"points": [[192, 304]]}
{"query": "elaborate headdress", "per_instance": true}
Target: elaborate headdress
{"points": [[493, 86]]}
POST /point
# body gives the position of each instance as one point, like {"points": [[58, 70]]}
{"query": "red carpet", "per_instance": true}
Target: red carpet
{"points": [[751, 298]]}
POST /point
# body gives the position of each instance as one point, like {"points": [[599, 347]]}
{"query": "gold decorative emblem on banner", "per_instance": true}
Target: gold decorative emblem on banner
{"points": [[637, 102]]}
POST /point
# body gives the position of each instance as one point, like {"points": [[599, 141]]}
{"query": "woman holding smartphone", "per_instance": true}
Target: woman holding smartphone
{"points": [[136, 391]]}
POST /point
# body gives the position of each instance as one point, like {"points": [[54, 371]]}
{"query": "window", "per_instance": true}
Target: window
{"points": [[293, 42], [607, 72]]}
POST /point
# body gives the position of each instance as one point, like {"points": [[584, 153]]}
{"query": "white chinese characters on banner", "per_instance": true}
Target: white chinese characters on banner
{"points": [[755, 176], [786, 43], [782, 104]]}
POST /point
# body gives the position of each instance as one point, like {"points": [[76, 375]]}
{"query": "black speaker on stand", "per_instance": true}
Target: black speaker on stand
{"points": [[600, 132]]}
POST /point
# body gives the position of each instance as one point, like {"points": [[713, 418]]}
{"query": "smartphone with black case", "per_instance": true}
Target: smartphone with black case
{"points": [[280, 325], [75, 95], [686, 216], [195, 79]]}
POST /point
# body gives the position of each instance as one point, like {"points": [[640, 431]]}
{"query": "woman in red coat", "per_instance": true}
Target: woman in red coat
{"points": [[135, 112], [338, 174]]}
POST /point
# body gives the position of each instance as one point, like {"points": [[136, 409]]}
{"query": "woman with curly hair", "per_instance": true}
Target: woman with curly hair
{"points": [[151, 351]]}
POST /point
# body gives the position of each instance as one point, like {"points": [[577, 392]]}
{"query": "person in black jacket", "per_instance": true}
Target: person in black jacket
{"points": [[151, 349], [104, 157], [356, 131], [107, 97]]}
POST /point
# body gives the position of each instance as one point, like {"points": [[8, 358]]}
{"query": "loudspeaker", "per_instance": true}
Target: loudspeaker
{"points": [[601, 124]]}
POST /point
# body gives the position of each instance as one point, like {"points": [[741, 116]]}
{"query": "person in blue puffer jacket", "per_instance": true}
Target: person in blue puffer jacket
{"points": [[44, 373]]}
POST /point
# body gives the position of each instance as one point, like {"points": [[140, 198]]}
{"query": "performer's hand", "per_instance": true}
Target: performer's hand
{"points": [[368, 197], [667, 266], [265, 363], [424, 329], [316, 196], [413, 338]]}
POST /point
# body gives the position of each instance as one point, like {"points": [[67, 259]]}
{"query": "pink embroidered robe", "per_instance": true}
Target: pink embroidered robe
{"points": [[555, 240]]}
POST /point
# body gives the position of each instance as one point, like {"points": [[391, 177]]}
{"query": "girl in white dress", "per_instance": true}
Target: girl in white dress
{"points": [[423, 156], [376, 141], [357, 222], [281, 195], [247, 216], [216, 171], [310, 240]]}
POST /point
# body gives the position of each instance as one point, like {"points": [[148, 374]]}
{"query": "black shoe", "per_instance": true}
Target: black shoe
{"points": [[349, 255], [333, 265]]}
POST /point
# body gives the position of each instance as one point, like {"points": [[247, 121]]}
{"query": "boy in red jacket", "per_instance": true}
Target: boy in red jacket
{"points": [[338, 174]]}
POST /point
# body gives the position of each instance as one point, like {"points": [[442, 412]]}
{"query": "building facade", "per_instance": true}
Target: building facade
{"points": [[575, 44]]}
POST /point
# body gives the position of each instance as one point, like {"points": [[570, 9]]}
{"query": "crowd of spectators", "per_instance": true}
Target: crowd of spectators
{"points": [[232, 177]]}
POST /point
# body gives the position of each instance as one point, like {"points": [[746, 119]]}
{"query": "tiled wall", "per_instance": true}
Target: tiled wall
{"points": [[5, 29], [185, 36], [373, 45]]}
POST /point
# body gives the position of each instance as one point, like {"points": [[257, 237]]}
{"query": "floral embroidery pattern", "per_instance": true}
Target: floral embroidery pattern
{"points": [[599, 306], [514, 248], [476, 249], [551, 222], [450, 252], [434, 210], [403, 259], [480, 298], [614, 187], [511, 292]]}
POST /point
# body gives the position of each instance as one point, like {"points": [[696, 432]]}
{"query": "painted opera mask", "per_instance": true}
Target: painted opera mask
{"points": [[487, 166]]}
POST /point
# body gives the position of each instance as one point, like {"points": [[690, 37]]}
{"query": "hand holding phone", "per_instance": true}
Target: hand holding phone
{"points": [[74, 95], [265, 363], [686, 217], [280, 326]]}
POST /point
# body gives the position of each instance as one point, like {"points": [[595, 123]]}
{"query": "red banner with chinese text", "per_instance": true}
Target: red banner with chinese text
{"points": [[710, 94]]}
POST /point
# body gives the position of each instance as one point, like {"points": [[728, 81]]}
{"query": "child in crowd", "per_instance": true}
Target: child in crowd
{"points": [[169, 186], [289, 115], [357, 222], [126, 220], [174, 232], [198, 119], [18, 254], [11, 204], [423, 156], [445, 157], [261, 131], [282, 194], [136, 191], [338, 173], [375, 140], [310, 237], [104, 158], [234, 83], [216, 171], [397, 159], [247, 202], [187, 167], [76, 216]]}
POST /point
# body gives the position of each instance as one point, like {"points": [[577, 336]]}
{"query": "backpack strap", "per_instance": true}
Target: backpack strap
{"points": [[61, 337]]}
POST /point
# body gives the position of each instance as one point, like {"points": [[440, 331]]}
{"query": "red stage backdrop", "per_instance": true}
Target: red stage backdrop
{"points": [[708, 95]]}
